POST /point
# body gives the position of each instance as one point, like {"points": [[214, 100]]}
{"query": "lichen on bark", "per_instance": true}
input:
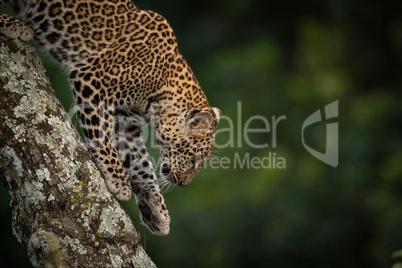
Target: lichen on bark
{"points": [[61, 209]]}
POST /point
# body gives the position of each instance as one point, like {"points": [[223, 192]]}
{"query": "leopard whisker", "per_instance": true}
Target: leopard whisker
{"points": [[164, 184]]}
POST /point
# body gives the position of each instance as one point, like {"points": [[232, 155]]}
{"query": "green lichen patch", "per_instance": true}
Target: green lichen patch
{"points": [[75, 245], [45, 249]]}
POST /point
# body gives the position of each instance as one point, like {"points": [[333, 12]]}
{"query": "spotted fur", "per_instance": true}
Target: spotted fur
{"points": [[125, 70]]}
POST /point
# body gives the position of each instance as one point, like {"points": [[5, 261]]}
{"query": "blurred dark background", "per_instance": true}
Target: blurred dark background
{"points": [[280, 58]]}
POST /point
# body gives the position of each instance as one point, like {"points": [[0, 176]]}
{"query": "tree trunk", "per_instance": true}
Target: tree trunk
{"points": [[61, 209]]}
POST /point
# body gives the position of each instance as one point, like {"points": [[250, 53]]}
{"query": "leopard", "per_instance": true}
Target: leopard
{"points": [[125, 71]]}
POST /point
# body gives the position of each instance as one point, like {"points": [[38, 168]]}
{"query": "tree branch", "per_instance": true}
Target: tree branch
{"points": [[61, 209]]}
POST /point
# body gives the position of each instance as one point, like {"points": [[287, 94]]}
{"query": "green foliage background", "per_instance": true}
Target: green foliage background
{"points": [[283, 58]]}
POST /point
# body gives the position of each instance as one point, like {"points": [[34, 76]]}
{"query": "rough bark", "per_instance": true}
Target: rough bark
{"points": [[61, 209]]}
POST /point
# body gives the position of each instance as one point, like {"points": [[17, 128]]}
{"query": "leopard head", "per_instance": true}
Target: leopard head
{"points": [[186, 140]]}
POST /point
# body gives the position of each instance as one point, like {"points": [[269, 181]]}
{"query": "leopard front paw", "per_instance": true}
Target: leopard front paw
{"points": [[154, 213], [14, 28], [116, 181], [119, 187]]}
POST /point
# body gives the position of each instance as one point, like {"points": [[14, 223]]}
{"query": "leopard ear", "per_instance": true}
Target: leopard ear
{"points": [[199, 122], [217, 115]]}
